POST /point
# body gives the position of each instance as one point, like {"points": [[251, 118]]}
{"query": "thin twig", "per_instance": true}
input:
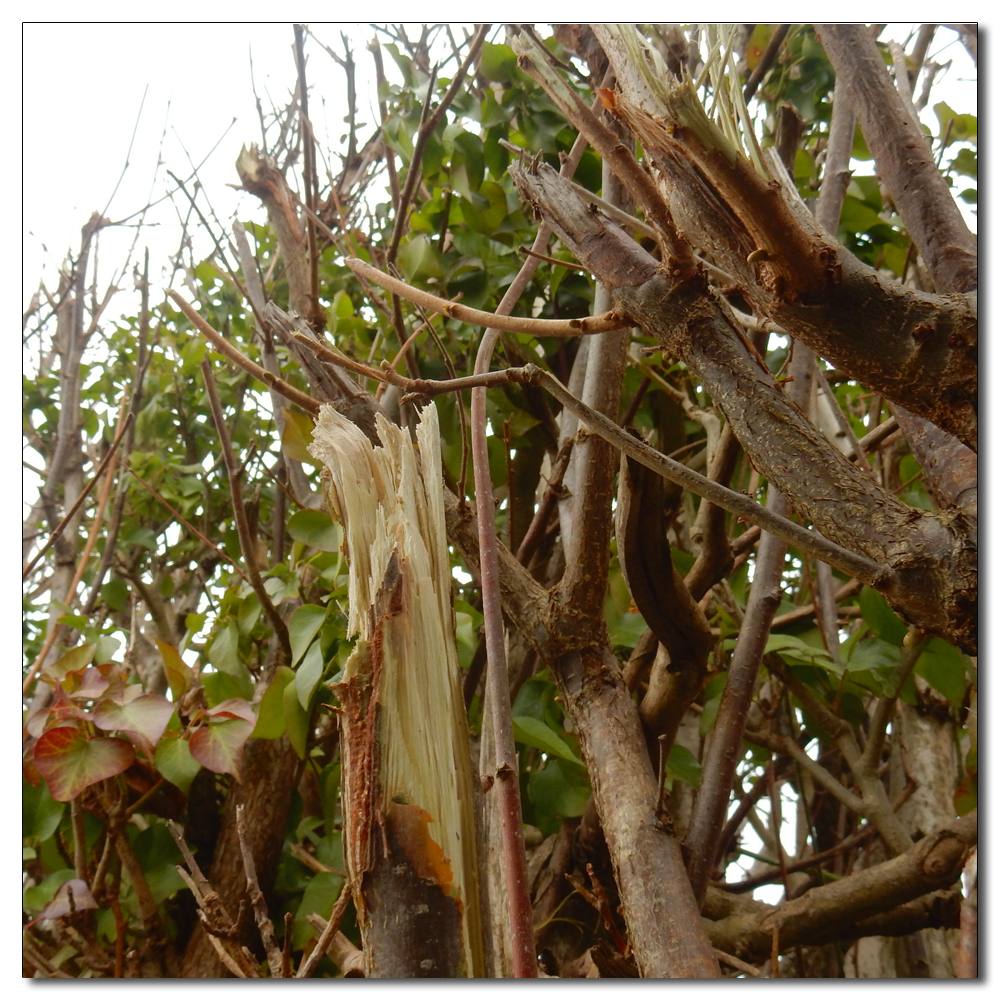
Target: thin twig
{"points": [[61, 526], [240, 514], [497, 320], [307, 968], [264, 925], [310, 405]]}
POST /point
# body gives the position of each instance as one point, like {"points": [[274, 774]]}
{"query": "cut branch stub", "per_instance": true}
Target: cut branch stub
{"points": [[409, 827]]}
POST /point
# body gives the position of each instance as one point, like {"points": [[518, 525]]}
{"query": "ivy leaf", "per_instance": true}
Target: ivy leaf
{"points": [[144, 718], [76, 659], [178, 673], [683, 764], [533, 733], [70, 761], [302, 629], [315, 529], [560, 788], [224, 652], [880, 618], [944, 668], [219, 746], [296, 720], [271, 713], [174, 761]]}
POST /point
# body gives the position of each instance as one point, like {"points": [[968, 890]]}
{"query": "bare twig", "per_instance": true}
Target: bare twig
{"points": [[264, 925], [329, 931], [240, 514], [496, 321], [310, 405]]}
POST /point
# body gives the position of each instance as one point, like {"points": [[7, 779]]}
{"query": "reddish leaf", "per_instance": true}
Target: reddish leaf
{"points": [[87, 684], [233, 708], [70, 761], [59, 711], [219, 746], [144, 716]]}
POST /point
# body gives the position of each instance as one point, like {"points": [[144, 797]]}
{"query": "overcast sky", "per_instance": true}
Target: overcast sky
{"points": [[184, 90]]}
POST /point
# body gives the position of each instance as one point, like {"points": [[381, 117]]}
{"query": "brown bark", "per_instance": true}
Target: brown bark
{"points": [[903, 155], [913, 890], [931, 562], [265, 791], [657, 902]]}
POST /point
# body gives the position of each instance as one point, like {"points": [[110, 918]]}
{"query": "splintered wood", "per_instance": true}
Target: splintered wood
{"points": [[409, 829]]}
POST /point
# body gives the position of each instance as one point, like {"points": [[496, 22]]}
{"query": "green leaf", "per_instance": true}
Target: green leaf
{"points": [[944, 668], [70, 761], [296, 720], [271, 713], [40, 812], [561, 788], [683, 764], [218, 687], [320, 897], [792, 649], [953, 126], [174, 761], [418, 259], [308, 674], [114, 593], [880, 618], [224, 653], [316, 529], [302, 629], [533, 733]]}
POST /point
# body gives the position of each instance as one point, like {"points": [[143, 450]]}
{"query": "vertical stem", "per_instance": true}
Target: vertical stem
{"points": [[506, 770], [719, 767]]}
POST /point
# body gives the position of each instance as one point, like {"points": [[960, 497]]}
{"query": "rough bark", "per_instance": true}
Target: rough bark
{"points": [[930, 560], [265, 791]]}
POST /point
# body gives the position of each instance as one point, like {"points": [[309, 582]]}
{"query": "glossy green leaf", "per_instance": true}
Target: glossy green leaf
{"points": [[305, 623], [271, 713], [316, 529], [944, 668], [561, 788], [174, 761], [296, 720], [533, 733], [880, 618]]}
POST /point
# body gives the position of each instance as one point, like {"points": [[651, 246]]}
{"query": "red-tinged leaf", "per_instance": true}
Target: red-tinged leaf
{"points": [[177, 671], [58, 712], [144, 716], [219, 746], [233, 708], [86, 684], [75, 659], [73, 896], [69, 761]]}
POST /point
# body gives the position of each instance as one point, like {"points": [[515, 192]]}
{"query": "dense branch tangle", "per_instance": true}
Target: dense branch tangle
{"points": [[832, 726]]}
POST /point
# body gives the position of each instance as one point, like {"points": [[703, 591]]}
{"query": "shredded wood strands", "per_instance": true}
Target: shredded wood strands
{"points": [[409, 822]]}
